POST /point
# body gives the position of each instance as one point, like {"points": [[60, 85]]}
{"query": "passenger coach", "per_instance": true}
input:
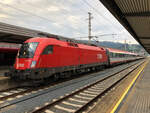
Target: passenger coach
{"points": [[118, 56]]}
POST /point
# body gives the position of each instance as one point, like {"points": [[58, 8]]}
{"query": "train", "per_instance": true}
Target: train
{"points": [[40, 58]]}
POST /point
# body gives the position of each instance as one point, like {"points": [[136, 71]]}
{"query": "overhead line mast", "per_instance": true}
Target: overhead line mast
{"points": [[90, 17]]}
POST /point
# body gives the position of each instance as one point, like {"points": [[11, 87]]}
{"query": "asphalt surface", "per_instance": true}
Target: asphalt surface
{"points": [[28, 103]]}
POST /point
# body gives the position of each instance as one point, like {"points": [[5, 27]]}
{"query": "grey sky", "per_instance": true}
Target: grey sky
{"points": [[63, 17]]}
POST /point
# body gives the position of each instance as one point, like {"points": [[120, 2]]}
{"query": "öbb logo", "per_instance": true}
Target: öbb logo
{"points": [[99, 56]]}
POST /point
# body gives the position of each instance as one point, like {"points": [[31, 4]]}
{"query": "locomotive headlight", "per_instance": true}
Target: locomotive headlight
{"points": [[33, 64]]}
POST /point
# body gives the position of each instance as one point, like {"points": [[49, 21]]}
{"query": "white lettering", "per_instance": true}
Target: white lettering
{"points": [[99, 56], [21, 65]]}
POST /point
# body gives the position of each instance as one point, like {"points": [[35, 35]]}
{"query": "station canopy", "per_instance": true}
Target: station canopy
{"points": [[14, 34], [134, 15]]}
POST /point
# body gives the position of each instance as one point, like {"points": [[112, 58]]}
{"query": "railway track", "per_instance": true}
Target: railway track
{"points": [[10, 93], [79, 99], [18, 92], [13, 94]]}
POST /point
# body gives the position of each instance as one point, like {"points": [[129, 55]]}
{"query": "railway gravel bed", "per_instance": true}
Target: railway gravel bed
{"points": [[27, 103]]}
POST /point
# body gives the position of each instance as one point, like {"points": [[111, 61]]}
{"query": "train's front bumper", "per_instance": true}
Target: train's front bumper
{"points": [[23, 74]]}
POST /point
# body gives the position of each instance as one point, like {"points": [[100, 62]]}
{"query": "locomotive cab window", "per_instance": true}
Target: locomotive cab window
{"points": [[48, 50], [27, 50]]}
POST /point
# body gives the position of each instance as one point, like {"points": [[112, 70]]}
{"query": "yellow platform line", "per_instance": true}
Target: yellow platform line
{"points": [[128, 88]]}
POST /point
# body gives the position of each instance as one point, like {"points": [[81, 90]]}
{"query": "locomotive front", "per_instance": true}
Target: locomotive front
{"points": [[25, 56], [26, 60]]}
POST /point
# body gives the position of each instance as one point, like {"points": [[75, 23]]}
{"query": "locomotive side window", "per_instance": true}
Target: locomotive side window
{"points": [[48, 50]]}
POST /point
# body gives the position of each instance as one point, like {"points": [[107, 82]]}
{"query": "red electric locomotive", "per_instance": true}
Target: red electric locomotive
{"points": [[39, 58]]}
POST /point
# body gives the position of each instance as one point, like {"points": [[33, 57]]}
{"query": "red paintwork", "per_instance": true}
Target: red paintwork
{"points": [[119, 51], [119, 61], [22, 63], [63, 54]]}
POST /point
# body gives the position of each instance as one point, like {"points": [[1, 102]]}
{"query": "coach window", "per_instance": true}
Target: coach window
{"points": [[120, 55], [117, 55], [123, 55], [113, 55], [110, 54], [48, 50]]}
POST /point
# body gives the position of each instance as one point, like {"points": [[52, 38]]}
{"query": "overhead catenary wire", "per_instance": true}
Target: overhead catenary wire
{"points": [[95, 18], [65, 15], [100, 14], [98, 35], [38, 15], [35, 15], [29, 13], [41, 17]]}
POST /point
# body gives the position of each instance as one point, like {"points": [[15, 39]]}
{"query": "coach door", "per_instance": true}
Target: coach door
{"points": [[108, 56]]}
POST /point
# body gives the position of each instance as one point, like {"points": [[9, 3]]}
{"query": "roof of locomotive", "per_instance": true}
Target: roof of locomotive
{"points": [[47, 41], [54, 41]]}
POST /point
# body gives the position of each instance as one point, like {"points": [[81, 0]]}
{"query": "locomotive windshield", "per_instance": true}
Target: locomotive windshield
{"points": [[27, 50]]}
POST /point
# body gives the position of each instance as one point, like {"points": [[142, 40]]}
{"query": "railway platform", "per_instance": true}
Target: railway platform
{"points": [[3, 70], [138, 98], [132, 95]]}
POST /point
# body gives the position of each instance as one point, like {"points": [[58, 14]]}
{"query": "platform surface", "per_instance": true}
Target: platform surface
{"points": [[138, 98], [2, 72]]}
